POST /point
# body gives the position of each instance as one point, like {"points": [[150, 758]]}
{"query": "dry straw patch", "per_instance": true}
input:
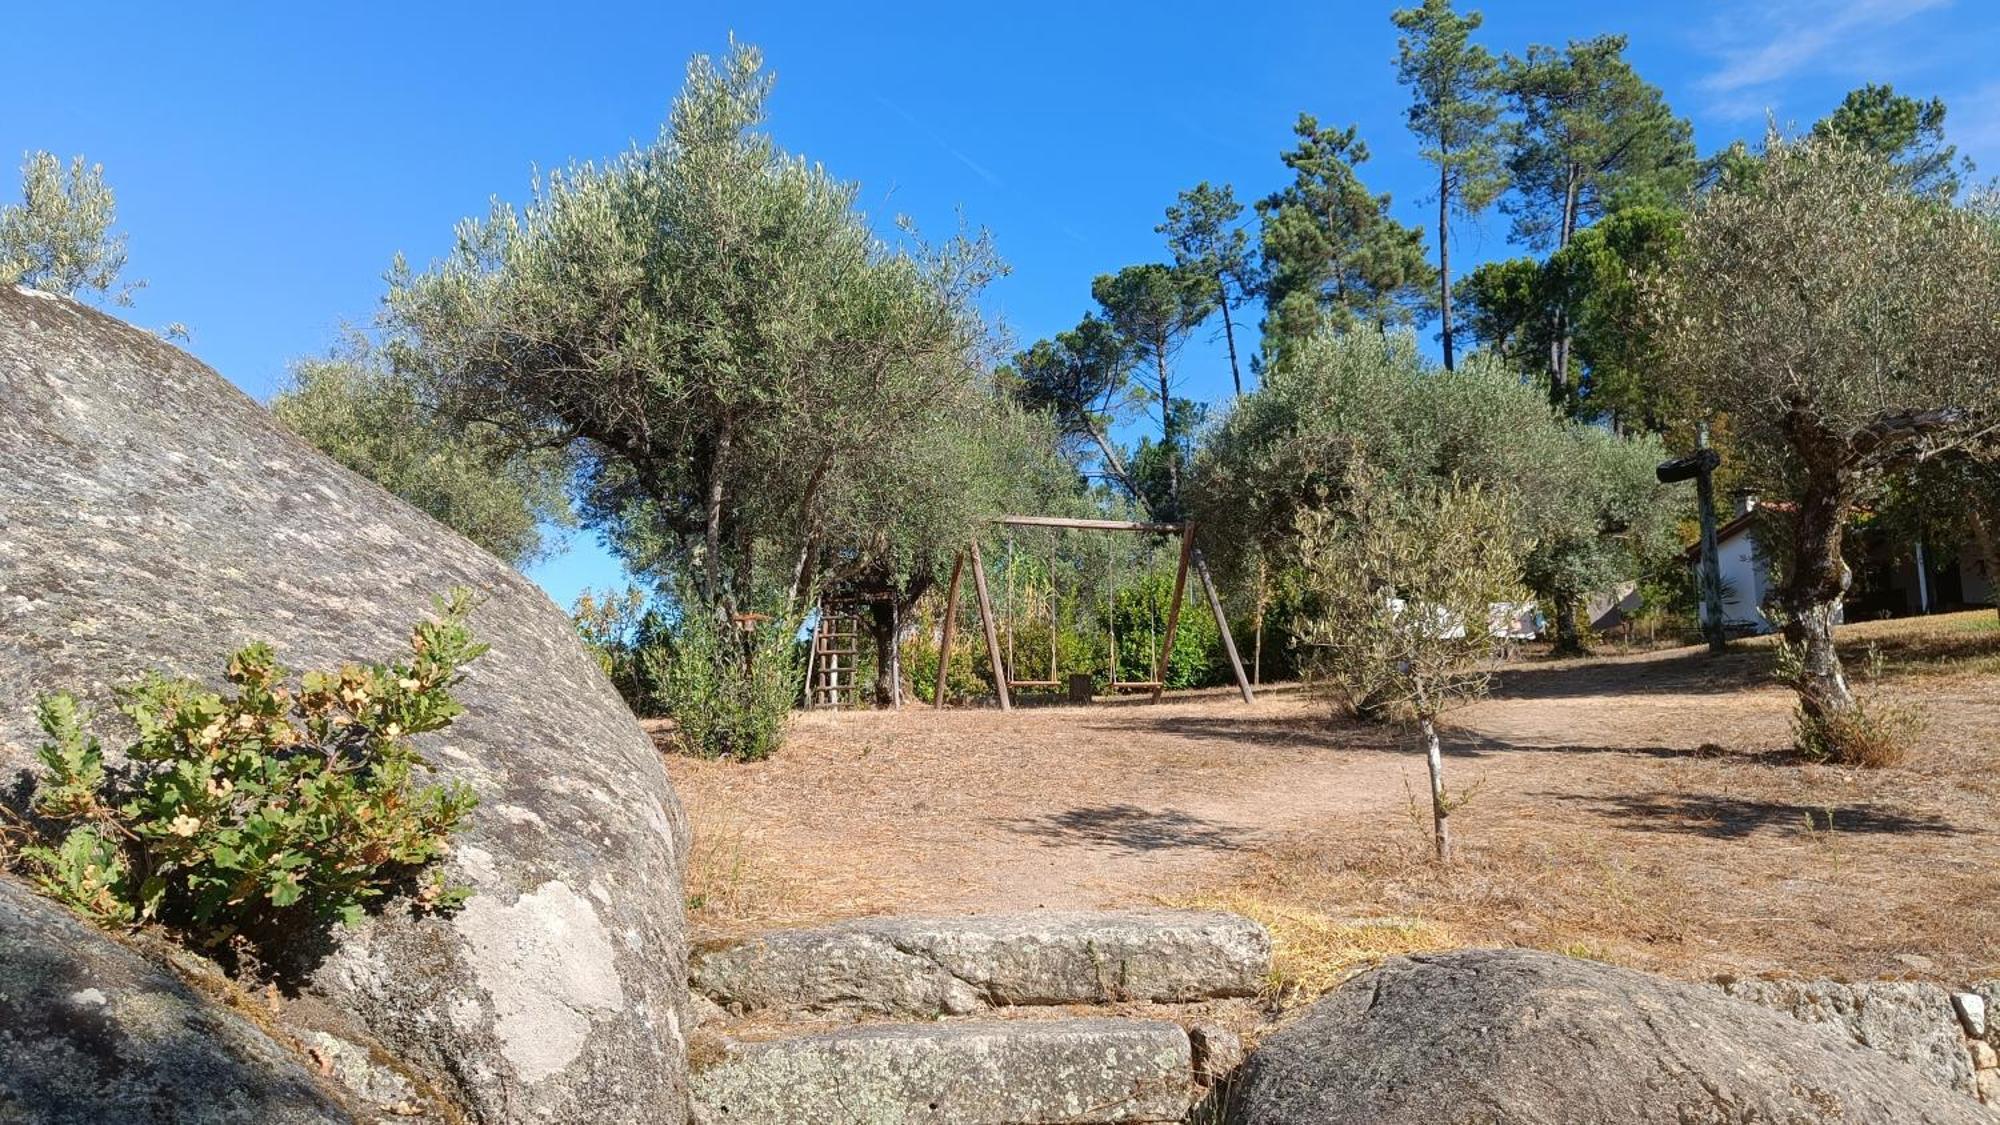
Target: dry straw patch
{"points": [[1311, 952], [732, 878]]}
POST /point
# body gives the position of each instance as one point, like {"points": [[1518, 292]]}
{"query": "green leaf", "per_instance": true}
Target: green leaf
{"points": [[284, 893]]}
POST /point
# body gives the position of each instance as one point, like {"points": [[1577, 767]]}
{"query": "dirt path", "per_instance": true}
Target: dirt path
{"points": [[1047, 807], [1633, 807]]}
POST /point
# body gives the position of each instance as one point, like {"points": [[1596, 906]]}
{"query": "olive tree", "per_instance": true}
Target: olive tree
{"points": [[378, 423], [1401, 581], [1846, 325], [58, 238], [760, 394], [1588, 510]]}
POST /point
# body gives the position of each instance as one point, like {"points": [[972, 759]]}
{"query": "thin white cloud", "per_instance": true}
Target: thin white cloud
{"points": [[978, 169], [1759, 46]]}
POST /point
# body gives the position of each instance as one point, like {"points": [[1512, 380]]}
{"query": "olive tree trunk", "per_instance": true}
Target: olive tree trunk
{"points": [[1569, 638], [882, 622], [1812, 596], [889, 620], [1440, 812]]}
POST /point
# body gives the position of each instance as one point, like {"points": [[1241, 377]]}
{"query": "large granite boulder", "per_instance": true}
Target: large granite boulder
{"points": [[1523, 1037], [92, 1032], [152, 516], [1909, 1021]]}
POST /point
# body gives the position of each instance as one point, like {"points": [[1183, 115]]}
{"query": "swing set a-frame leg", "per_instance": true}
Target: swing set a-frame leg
{"points": [[950, 629], [1173, 613], [1222, 623], [986, 626]]}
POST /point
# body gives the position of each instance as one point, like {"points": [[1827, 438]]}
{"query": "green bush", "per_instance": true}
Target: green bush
{"points": [[967, 679], [729, 689], [1142, 609], [249, 813]]}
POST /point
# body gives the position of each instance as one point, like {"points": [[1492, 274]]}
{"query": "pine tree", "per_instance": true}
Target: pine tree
{"points": [[1330, 247], [1455, 111], [1207, 242], [1906, 132], [1154, 307], [1589, 135]]}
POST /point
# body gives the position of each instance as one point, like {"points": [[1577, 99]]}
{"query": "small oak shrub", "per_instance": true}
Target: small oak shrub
{"points": [[251, 813]]}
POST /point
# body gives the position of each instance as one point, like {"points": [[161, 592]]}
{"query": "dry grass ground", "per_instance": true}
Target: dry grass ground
{"points": [[1638, 808]]}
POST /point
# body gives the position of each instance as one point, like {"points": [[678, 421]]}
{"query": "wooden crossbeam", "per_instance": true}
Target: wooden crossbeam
{"points": [[1088, 525]]}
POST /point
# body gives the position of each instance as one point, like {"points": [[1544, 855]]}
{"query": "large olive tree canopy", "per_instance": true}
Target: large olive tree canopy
{"points": [[1587, 510], [1846, 324], [759, 391]]}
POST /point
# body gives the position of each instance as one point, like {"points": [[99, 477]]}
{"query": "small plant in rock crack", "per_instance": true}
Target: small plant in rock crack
{"points": [[253, 812]]}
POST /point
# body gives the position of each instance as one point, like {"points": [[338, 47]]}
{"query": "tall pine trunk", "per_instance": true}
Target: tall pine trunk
{"points": [[1229, 334], [1173, 449], [1444, 257], [1561, 345]]}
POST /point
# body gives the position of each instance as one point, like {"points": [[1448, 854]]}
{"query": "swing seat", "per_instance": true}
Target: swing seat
{"points": [[1034, 683], [1136, 685]]}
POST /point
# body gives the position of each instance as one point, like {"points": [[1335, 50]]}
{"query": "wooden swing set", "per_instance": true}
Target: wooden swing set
{"points": [[1004, 678]]}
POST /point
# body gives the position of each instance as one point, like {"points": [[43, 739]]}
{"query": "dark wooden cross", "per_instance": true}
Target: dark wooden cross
{"points": [[1700, 467]]}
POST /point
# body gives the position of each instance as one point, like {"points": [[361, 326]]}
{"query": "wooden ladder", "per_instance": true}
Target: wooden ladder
{"points": [[836, 648]]}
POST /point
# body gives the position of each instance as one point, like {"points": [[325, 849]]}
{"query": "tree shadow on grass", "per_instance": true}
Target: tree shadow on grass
{"points": [[1274, 733], [1682, 672], [1353, 734], [1130, 828], [1473, 744], [1736, 818]]}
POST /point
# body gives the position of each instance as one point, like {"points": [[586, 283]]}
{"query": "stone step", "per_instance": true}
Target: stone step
{"points": [[900, 966], [981, 1072]]}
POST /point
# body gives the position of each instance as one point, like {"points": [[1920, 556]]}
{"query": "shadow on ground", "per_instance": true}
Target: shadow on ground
{"points": [[1734, 818], [1474, 745], [1349, 734], [1130, 828], [1682, 672], [1244, 730]]}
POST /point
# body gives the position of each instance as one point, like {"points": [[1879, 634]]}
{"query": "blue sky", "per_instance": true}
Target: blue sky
{"points": [[269, 160]]}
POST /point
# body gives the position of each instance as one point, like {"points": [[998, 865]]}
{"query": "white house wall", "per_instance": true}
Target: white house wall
{"points": [[1744, 585]]}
